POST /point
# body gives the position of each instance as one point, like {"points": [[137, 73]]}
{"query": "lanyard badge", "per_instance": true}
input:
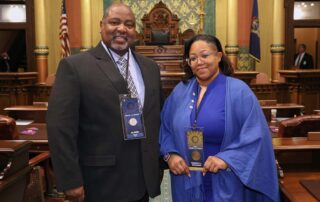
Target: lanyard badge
{"points": [[195, 140], [195, 147], [132, 118]]}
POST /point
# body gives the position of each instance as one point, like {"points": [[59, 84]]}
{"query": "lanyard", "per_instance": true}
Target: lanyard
{"points": [[197, 108], [127, 68]]}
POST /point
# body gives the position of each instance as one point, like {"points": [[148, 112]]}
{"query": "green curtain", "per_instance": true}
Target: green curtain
{"points": [[209, 20], [106, 3]]}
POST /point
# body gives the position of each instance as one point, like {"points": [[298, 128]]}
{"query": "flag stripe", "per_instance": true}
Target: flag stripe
{"points": [[63, 34]]}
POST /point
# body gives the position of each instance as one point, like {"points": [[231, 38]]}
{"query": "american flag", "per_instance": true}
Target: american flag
{"points": [[63, 35]]}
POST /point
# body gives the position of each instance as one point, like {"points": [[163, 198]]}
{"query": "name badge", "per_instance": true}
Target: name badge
{"points": [[195, 148], [132, 118]]}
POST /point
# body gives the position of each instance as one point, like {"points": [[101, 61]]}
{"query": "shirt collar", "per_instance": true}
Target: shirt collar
{"points": [[115, 55]]}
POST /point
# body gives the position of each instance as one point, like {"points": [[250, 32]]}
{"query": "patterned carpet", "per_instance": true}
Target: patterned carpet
{"points": [[165, 189]]}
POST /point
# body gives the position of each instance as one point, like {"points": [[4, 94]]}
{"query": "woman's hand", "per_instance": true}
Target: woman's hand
{"points": [[214, 164], [178, 165]]}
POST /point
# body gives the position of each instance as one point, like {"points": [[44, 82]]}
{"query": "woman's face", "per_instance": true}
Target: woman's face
{"points": [[204, 61]]}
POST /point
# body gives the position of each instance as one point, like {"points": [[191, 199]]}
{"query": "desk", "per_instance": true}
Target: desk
{"points": [[294, 143], [39, 139], [39, 145], [290, 185], [14, 169], [283, 110], [38, 115], [293, 190], [29, 112]]}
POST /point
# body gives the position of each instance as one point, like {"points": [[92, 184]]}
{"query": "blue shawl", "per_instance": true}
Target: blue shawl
{"points": [[246, 147]]}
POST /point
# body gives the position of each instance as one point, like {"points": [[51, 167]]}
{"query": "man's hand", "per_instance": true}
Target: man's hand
{"points": [[214, 164], [178, 165], [75, 194]]}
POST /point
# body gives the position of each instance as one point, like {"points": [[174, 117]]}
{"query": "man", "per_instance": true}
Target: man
{"points": [[94, 159], [303, 60], [5, 63]]}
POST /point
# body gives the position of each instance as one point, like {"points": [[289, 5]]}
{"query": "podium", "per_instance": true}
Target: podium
{"points": [[304, 87], [170, 60]]}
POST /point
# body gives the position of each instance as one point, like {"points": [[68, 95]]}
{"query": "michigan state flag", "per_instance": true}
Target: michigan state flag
{"points": [[255, 33]]}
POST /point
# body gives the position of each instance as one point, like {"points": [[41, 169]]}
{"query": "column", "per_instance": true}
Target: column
{"points": [[232, 48], [41, 48], [85, 25], [201, 16], [277, 47]]}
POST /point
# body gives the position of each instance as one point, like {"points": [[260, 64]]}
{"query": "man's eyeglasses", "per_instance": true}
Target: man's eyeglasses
{"points": [[195, 59]]}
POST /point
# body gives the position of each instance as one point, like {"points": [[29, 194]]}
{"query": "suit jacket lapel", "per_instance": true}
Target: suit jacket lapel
{"points": [[108, 67]]}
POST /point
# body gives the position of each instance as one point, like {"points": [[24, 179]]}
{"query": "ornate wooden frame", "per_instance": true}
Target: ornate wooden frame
{"points": [[160, 18]]}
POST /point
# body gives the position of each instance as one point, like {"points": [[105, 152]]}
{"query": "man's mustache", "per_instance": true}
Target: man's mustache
{"points": [[123, 36]]}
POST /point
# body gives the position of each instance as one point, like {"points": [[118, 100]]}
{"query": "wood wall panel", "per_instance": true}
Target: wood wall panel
{"points": [[14, 88], [304, 87]]}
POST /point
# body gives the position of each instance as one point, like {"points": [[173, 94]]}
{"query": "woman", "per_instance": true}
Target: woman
{"points": [[239, 162]]}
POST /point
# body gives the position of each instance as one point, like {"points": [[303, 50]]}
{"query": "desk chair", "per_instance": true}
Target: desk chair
{"points": [[8, 128], [160, 26], [186, 35]]}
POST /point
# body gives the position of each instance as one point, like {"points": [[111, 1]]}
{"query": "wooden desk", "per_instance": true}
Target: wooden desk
{"points": [[29, 112], [293, 190], [14, 157], [294, 143], [298, 149], [38, 115], [39, 139], [283, 110]]}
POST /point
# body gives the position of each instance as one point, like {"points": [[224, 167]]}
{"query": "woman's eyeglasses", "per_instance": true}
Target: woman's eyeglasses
{"points": [[195, 59]]}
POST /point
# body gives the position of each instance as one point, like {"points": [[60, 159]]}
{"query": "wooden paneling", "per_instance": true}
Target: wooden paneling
{"points": [[14, 88], [272, 91], [170, 59], [304, 87]]}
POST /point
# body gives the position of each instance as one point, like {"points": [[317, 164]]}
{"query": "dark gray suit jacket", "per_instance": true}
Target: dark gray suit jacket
{"points": [[306, 61], [85, 132]]}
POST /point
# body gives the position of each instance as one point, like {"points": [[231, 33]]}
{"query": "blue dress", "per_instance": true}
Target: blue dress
{"points": [[211, 117], [245, 145]]}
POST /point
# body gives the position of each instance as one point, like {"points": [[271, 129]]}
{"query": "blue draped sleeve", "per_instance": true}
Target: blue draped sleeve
{"points": [[166, 139], [247, 146]]}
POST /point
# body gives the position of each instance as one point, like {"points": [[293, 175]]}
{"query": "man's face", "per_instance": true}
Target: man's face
{"points": [[4, 56], [118, 28], [301, 49]]}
